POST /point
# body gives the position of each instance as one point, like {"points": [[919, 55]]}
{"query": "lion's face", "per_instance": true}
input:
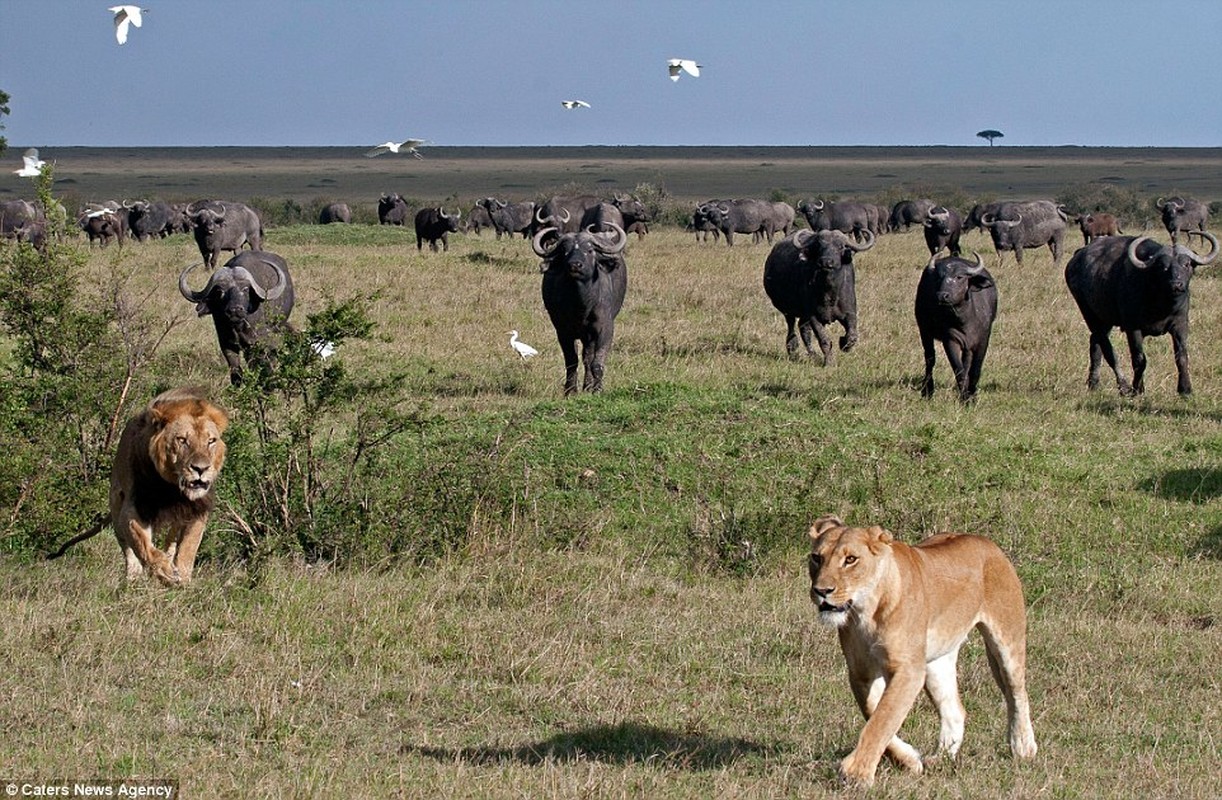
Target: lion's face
{"points": [[187, 450], [845, 567]]}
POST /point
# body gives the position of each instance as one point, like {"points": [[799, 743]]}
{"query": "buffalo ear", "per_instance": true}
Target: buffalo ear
{"points": [[979, 282], [202, 310], [825, 523]]}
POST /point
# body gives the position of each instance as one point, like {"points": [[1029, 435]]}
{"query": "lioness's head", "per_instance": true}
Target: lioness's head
{"points": [[845, 566], [186, 448]]}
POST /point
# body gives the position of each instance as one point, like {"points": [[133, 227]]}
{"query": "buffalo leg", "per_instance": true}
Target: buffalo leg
{"points": [[1137, 354], [807, 330], [1101, 348], [568, 347], [973, 372], [600, 345], [825, 341], [1179, 344], [850, 332], [960, 362], [791, 335], [927, 384]]}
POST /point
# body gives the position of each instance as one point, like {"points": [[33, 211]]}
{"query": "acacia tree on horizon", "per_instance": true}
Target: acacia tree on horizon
{"points": [[990, 134]]}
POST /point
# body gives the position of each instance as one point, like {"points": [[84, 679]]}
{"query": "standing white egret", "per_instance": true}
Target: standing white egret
{"points": [[126, 16], [574, 104], [408, 146], [31, 164], [675, 65], [522, 348]]}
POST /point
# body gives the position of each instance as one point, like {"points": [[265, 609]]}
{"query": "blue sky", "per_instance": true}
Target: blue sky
{"points": [[461, 72]]}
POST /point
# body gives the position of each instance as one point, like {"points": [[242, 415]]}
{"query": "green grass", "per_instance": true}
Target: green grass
{"points": [[617, 603]]}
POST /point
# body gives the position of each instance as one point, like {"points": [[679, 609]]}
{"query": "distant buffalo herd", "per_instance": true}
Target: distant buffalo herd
{"points": [[1118, 281]]}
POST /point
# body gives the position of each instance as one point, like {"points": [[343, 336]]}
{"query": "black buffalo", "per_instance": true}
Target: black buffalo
{"points": [[250, 299], [335, 212], [510, 218], [222, 225], [603, 218], [633, 210], [564, 212], [809, 277], [146, 220], [943, 228], [1025, 225], [434, 225], [478, 218], [756, 217], [956, 303], [1183, 214], [846, 217], [392, 210], [23, 221], [101, 225], [702, 225], [907, 213], [1140, 286], [585, 280]]}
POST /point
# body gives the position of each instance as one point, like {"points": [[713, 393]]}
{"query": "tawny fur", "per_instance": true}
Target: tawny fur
{"points": [[902, 612], [163, 484]]}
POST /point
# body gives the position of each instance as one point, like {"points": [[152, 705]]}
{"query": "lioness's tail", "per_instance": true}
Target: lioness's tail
{"points": [[99, 522]]}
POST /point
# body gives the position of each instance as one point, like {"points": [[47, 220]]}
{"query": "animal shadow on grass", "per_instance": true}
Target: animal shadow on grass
{"points": [[624, 743], [1191, 485]]}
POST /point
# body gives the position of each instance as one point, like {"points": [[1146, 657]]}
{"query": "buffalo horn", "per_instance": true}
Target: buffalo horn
{"points": [[861, 248], [1131, 252], [801, 238], [976, 270], [1208, 257], [615, 245], [817, 205], [202, 294], [537, 243], [275, 291]]}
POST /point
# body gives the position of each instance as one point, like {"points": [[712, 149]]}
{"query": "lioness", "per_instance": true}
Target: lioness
{"points": [[902, 613], [163, 479]]}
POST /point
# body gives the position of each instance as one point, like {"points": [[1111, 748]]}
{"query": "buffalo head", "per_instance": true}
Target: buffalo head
{"points": [[1175, 263], [578, 253], [956, 277], [829, 249]]}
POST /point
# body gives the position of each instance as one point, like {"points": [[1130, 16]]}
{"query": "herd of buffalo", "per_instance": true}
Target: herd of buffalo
{"points": [[1118, 281]]}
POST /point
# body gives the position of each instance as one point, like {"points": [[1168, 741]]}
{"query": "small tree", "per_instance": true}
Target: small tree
{"points": [[4, 98], [990, 134]]}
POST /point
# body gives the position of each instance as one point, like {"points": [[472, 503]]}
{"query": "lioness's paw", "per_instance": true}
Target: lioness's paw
{"points": [[853, 775]]}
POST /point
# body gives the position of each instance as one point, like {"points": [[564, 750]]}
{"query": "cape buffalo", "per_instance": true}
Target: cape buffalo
{"points": [[756, 217], [478, 218], [222, 225], [1098, 224], [564, 212], [1019, 226], [956, 303], [335, 212], [585, 280], [510, 218], [392, 210], [146, 220], [810, 279], [847, 217], [433, 224], [250, 299], [1180, 214], [943, 228], [907, 213], [1140, 286]]}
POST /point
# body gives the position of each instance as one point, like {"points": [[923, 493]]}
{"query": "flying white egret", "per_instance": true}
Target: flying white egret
{"points": [[574, 104], [674, 65], [408, 146], [522, 348], [31, 164], [126, 16]]}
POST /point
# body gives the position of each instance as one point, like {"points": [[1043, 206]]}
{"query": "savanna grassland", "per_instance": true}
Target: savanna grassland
{"points": [[612, 597]]}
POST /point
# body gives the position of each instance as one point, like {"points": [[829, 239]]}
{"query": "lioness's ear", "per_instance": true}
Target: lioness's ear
{"points": [[825, 523], [879, 536]]}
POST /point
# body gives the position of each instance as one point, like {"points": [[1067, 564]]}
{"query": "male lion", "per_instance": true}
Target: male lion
{"points": [[902, 613], [164, 473]]}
